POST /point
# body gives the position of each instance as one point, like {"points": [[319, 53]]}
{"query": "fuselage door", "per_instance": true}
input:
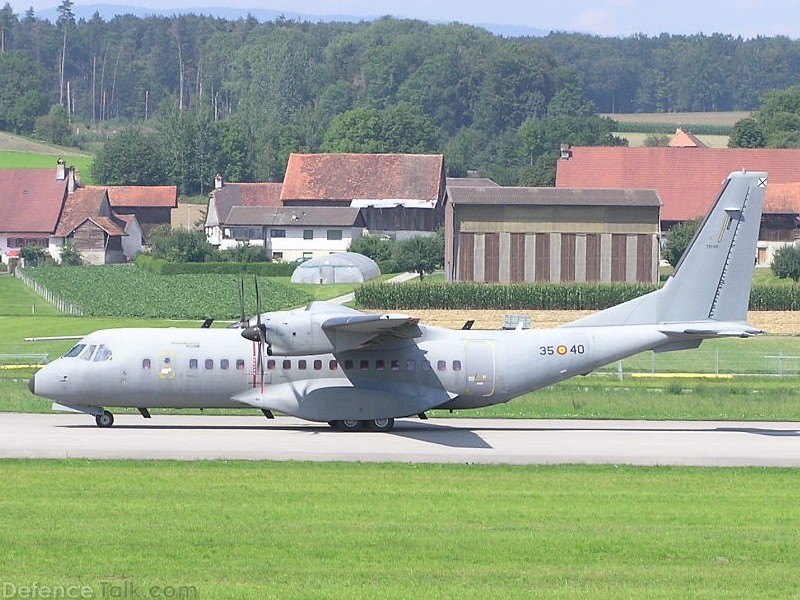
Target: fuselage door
{"points": [[480, 368]]}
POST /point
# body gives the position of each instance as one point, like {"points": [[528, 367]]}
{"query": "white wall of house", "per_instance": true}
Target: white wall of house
{"points": [[293, 243]]}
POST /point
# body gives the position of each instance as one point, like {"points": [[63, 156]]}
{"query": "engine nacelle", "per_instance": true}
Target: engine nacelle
{"points": [[296, 334]]}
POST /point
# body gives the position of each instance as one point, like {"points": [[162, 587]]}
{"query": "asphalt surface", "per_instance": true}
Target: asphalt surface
{"points": [[490, 441]]}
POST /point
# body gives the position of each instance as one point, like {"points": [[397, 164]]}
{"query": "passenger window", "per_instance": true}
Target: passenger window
{"points": [[348, 364], [209, 364], [394, 364], [380, 364], [411, 365], [271, 364], [224, 364], [146, 364], [302, 364], [441, 365], [333, 365], [240, 364], [364, 365], [287, 364], [317, 365], [456, 365], [193, 364], [426, 365]]}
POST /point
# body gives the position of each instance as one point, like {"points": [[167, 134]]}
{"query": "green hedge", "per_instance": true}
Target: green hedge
{"points": [[539, 296], [669, 128], [160, 266]]}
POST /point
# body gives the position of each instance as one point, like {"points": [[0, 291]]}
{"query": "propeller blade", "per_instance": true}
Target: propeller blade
{"points": [[242, 316]]}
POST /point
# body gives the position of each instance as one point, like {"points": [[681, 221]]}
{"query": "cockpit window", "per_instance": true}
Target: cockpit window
{"points": [[75, 351], [103, 353], [87, 352]]}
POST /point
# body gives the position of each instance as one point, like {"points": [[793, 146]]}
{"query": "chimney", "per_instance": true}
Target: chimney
{"points": [[566, 151], [61, 170], [72, 181], [218, 182]]}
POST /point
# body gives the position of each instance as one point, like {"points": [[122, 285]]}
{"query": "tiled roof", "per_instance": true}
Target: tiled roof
{"points": [[364, 176], [782, 198], [552, 196], [685, 139], [30, 200], [311, 216], [83, 203], [687, 179], [91, 204], [245, 194], [143, 196]]}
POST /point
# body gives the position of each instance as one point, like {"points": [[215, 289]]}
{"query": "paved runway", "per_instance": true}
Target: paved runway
{"points": [[491, 441]]}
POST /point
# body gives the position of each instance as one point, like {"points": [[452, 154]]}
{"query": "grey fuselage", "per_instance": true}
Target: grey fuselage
{"points": [[204, 368]]}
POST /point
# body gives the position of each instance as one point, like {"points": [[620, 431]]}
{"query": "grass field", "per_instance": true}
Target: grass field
{"points": [[34, 160], [298, 530], [682, 118]]}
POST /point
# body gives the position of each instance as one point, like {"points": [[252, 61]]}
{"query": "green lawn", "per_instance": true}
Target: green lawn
{"points": [[33, 160], [299, 530]]}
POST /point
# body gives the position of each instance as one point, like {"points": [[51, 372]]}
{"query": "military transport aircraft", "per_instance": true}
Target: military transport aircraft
{"points": [[354, 370]]}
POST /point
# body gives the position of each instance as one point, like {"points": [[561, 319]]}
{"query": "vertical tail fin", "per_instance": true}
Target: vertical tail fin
{"points": [[713, 278]]}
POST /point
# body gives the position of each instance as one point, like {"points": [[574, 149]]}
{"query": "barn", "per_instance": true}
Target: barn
{"points": [[516, 234]]}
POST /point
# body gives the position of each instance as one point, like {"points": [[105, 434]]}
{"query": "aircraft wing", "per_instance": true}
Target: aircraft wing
{"points": [[347, 332]]}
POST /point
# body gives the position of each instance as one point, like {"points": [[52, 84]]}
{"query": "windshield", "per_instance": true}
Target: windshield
{"points": [[75, 351]]}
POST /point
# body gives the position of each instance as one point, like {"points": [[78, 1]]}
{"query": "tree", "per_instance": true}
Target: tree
{"points": [[35, 256], [70, 255], [421, 254], [54, 126], [378, 248], [65, 22], [654, 140], [132, 157], [786, 263], [679, 238], [747, 133], [180, 245]]}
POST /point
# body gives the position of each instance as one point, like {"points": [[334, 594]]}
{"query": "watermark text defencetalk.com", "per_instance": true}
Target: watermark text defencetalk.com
{"points": [[123, 590]]}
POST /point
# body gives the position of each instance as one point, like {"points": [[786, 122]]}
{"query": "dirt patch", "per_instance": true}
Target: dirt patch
{"points": [[778, 323]]}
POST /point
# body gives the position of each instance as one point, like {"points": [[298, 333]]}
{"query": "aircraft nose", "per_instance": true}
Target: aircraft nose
{"points": [[32, 384]]}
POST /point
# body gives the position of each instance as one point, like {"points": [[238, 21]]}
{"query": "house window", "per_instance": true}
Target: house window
{"points": [[334, 234], [308, 234], [277, 233], [21, 242], [277, 256], [308, 255]]}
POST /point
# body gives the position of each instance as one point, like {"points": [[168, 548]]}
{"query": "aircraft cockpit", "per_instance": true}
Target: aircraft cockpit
{"points": [[90, 352]]}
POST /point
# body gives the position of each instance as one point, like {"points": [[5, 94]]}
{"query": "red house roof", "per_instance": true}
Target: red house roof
{"points": [[364, 176], [30, 200], [687, 179], [143, 196]]}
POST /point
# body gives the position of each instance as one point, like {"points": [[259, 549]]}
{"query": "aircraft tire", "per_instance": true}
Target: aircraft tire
{"points": [[380, 424], [104, 420], [348, 425]]}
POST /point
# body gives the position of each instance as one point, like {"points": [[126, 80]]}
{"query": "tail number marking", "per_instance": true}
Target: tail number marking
{"points": [[561, 350]]}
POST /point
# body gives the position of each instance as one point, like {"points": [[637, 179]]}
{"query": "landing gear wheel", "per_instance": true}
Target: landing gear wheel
{"points": [[348, 425], [380, 424], [104, 420]]}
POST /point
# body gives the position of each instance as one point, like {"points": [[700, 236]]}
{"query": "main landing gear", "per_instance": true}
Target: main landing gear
{"points": [[105, 419], [358, 425]]}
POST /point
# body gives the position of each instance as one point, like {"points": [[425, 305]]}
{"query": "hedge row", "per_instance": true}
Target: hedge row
{"points": [[669, 128], [540, 296], [160, 266]]}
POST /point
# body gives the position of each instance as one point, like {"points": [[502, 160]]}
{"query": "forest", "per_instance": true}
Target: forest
{"points": [[179, 99]]}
